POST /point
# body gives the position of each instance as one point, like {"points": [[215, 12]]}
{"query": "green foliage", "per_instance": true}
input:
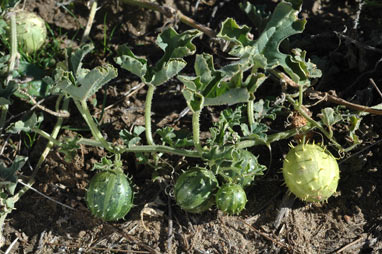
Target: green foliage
{"points": [[175, 46], [264, 52], [81, 83], [8, 177], [7, 92], [28, 122], [241, 168], [176, 139], [132, 138], [224, 150]]}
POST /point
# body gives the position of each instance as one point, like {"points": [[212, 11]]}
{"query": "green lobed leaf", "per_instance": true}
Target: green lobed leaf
{"points": [[76, 57], [7, 92], [264, 52], [231, 31], [330, 117], [302, 69], [175, 47], [8, 177], [282, 24], [208, 85], [26, 124], [256, 14], [132, 138], [128, 61], [169, 69], [89, 84], [175, 138]]}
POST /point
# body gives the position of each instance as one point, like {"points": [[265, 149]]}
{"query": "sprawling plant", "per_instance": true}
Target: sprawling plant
{"points": [[226, 164]]}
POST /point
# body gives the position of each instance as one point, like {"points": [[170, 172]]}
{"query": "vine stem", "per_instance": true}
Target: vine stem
{"points": [[55, 130], [196, 131], [251, 117], [148, 106], [162, 149], [84, 110], [274, 137], [134, 149]]}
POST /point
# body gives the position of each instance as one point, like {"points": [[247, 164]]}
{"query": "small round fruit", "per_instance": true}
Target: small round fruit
{"points": [[311, 173], [31, 31], [194, 190], [231, 198], [243, 168], [109, 195]]}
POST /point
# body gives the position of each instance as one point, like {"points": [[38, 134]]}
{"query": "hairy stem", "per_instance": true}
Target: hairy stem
{"points": [[55, 131], [84, 110], [251, 118], [274, 137], [162, 149], [196, 131], [148, 105]]}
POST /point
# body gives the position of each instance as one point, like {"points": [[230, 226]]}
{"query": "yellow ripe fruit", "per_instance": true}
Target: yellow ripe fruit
{"points": [[311, 173], [31, 31]]}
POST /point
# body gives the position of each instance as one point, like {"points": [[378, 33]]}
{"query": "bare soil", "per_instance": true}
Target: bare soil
{"points": [[350, 222]]}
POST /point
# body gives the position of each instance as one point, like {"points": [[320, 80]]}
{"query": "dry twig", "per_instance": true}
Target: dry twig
{"points": [[63, 114]]}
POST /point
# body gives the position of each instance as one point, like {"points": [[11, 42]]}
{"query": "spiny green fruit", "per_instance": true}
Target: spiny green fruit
{"points": [[109, 195], [194, 190], [231, 198], [31, 31], [311, 172], [243, 168]]}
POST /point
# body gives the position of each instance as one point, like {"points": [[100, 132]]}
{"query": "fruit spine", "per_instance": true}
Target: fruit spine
{"points": [[311, 173]]}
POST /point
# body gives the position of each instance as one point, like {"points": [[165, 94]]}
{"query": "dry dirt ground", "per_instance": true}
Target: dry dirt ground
{"points": [[351, 221]]}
